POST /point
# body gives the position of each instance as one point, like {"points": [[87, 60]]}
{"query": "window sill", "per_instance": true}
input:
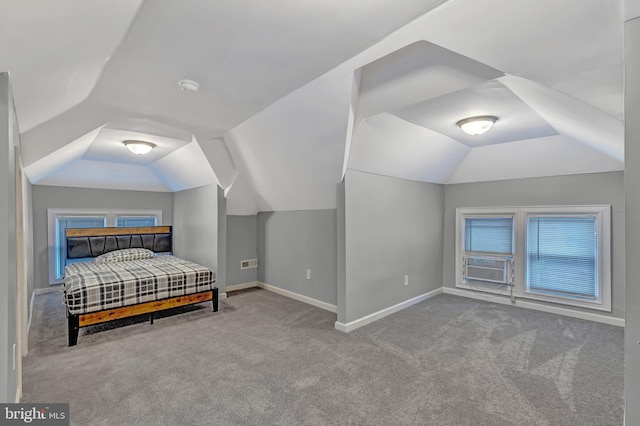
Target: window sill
{"points": [[596, 305], [505, 290], [502, 289]]}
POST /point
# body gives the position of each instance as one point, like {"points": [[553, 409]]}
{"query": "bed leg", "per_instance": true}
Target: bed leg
{"points": [[214, 299], [74, 327], [151, 317]]}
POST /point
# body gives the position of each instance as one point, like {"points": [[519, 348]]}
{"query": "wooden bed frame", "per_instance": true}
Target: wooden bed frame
{"points": [[76, 321]]}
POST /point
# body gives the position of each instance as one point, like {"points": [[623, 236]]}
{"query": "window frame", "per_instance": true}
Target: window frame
{"points": [[461, 215], [518, 287], [56, 253], [603, 226], [110, 214]]}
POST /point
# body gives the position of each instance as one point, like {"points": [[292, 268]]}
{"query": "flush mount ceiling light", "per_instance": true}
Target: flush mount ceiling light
{"points": [[188, 85], [477, 125], [139, 147]]}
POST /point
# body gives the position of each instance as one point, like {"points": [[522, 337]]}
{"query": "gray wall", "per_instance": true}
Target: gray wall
{"points": [[632, 193], [242, 244], [393, 227], [341, 254], [29, 240], [195, 226], [221, 272], [9, 138], [290, 242], [83, 198], [597, 188]]}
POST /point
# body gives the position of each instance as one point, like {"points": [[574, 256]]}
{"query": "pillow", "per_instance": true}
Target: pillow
{"points": [[125, 254]]}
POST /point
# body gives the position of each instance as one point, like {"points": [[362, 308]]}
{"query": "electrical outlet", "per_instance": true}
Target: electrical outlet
{"points": [[308, 274], [406, 280]]}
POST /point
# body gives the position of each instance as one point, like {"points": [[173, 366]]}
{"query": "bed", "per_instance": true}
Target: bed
{"points": [[126, 272]]}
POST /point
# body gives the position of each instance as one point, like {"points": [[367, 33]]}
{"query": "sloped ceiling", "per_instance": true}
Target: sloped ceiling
{"points": [[293, 93], [56, 51]]}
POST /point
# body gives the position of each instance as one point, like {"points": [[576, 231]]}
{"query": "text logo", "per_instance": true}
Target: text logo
{"points": [[34, 414]]}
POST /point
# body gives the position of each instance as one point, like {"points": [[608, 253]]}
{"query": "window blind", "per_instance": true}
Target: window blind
{"points": [[136, 221], [489, 235], [562, 255]]}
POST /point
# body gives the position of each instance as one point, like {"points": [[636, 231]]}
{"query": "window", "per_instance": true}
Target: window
{"points": [[64, 222], [61, 219], [488, 248], [557, 254], [489, 235], [562, 255], [131, 221]]}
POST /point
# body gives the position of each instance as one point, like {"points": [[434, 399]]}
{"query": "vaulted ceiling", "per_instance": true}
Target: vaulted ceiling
{"points": [[294, 93]]}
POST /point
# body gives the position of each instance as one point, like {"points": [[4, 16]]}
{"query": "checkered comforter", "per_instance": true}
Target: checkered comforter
{"points": [[91, 286]]}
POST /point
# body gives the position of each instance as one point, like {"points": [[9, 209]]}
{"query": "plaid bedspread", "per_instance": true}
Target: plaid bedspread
{"points": [[91, 286]]}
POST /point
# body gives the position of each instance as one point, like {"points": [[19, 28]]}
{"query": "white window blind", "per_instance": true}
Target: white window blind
{"points": [[562, 256], [489, 235], [135, 221]]}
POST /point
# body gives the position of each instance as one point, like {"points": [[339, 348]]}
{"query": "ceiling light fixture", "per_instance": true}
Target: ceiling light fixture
{"points": [[477, 125], [139, 147], [188, 85]]}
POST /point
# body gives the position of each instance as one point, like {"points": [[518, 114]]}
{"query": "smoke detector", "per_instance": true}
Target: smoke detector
{"points": [[188, 85]]}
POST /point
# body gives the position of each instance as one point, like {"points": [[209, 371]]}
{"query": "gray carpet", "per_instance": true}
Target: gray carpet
{"points": [[268, 360]]}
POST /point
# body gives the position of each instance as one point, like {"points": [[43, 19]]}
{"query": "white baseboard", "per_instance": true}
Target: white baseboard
{"points": [[535, 306], [222, 295], [236, 287], [352, 325], [315, 302], [52, 289]]}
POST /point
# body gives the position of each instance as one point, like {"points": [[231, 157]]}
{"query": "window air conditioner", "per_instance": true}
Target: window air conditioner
{"points": [[487, 268]]}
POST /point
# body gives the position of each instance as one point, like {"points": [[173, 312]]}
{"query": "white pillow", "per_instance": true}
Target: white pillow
{"points": [[125, 254]]}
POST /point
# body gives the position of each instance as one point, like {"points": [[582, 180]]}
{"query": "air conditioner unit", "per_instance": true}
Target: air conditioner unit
{"points": [[492, 269]]}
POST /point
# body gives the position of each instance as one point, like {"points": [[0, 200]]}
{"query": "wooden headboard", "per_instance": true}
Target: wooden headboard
{"points": [[92, 242]]}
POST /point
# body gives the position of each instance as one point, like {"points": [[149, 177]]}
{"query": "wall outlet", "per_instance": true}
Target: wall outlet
{"points": [[308, 274], [406, 280]]}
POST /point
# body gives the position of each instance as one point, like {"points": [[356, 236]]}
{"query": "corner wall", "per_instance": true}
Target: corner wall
{"points": [[393, 228], [29, 240], [9, 138], [632, 210], [221, 272], [242, 244], [341, 254], [289, 243], [595, 188], [195, 227]]}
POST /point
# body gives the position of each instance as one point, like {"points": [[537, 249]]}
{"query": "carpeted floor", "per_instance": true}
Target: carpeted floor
{"points": [[264, 359]]}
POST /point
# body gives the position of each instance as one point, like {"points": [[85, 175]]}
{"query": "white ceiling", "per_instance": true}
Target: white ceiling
{"points": [[517, 121], [99, 159], [293, 93], [108, 147], [56, 51]]}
